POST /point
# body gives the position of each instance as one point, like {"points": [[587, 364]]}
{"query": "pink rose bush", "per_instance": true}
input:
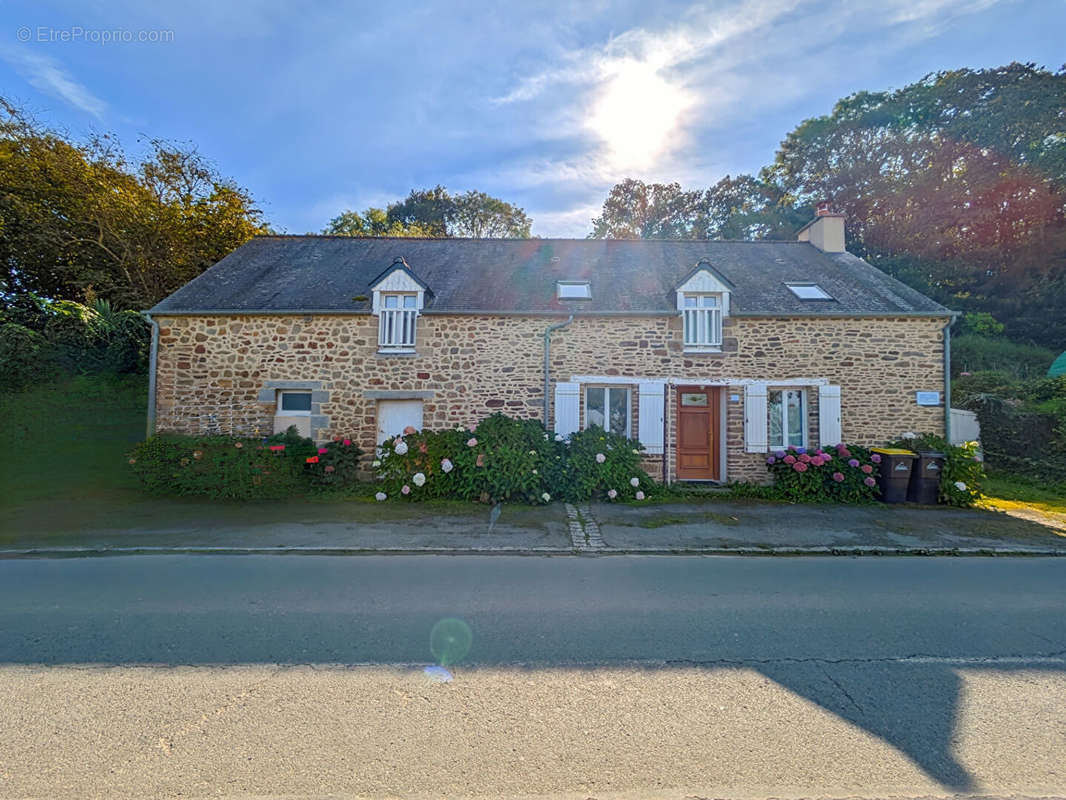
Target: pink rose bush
{"points": [[840, 474]]}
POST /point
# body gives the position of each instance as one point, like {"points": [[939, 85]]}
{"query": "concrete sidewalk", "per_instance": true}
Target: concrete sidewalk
{"points": [[710, 526]]}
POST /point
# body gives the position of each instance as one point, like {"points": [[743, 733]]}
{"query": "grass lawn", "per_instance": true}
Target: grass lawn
{"points": [[1010, 493], [65, 471]]}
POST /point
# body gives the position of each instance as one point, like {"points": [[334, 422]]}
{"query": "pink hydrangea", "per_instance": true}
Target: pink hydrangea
{"points": [[843, 452], [838, 477], [405, 489], [869, 481], [804, 457], [799, 466], [789, 459], [471, 442], [876, 458], [854, 462], [867, 468]]}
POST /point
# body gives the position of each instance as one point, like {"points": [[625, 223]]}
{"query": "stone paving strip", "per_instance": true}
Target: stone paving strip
{"points": [[584, 530]]}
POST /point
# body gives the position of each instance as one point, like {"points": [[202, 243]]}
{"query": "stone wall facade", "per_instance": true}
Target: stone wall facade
{"points": [[220, 374]]}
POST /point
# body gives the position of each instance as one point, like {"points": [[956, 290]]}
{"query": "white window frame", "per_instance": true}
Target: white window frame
{"points": [[809, 291], [702, 319], [607, 391], [804, 411], [282, 412], [397, 327]]}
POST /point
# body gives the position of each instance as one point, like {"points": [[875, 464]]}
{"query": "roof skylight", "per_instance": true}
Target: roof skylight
{"points": [[808, 291], [573, 290]]}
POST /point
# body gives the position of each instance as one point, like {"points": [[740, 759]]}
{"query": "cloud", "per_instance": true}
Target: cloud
{"points": [[46, 74]]}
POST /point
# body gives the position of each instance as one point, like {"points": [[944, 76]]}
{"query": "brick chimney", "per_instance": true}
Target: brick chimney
{"points": [[825, 231]]}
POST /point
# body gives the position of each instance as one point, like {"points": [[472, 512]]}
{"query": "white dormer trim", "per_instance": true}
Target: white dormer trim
{"points": [[703, 281], [397, 281]]}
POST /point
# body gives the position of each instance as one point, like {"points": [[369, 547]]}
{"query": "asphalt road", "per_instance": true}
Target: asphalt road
{"points": [[586, 677]]}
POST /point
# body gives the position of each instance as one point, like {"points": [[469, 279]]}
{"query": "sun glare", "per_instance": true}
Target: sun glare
{"points": [[637, 113]]}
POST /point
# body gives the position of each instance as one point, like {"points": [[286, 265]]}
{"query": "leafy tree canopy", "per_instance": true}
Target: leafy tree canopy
{"points": [[80, 221], [437, 213]]}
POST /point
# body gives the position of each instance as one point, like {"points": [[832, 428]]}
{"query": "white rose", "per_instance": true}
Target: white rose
{"points": [[419, 479], [910, 435], [960, 486], [600, 458], [380, 496], [612, 494], [446, 465], [634, 481], [401, 448], [376, 464], [546, 497], [558, 437], [640, 495]]}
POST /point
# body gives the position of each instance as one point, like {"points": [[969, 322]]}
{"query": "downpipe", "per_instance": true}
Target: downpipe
{"points": [[153, 357], [947, 378], [547, 362]]}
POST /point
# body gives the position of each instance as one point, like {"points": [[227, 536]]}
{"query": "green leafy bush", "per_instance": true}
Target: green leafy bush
{"points": [[963, 474], [511, 459], [234, 468], [24, 357], [973, 353], [841, 474], [604, 465]]}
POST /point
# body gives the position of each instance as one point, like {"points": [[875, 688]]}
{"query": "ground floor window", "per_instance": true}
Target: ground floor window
{"points": [[291, 402], [788, 417], [608, 407]]}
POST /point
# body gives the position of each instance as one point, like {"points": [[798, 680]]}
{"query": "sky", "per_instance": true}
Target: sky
{"points": [[318, 107]]}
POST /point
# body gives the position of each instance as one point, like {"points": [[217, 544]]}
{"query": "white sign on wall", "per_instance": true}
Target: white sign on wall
{"points": [[927, 398]]}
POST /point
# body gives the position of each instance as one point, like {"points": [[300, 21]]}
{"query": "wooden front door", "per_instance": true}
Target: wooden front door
{"points": [[698, 415]]}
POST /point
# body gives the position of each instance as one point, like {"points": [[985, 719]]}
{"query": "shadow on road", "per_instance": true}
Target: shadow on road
{"points": [[877, 643]]}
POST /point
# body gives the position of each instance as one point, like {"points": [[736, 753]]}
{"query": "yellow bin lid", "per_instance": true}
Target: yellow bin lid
{"points": [[892, 451]]}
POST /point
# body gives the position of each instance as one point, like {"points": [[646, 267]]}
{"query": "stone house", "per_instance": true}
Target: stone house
{"points": [[711, 353]]}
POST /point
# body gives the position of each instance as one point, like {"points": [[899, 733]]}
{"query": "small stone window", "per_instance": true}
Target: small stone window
{"points": [[293, 403]]}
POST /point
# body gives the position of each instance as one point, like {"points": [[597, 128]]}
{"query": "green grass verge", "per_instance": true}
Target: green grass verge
{"points": [[1011, 491]]}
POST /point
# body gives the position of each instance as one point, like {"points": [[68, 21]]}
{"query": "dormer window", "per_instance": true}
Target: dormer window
{"points": [[703, 320], [399, 297], [396, 322], [703, 300]]}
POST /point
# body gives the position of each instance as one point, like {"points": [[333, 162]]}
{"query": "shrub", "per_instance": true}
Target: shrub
{"points": [[24, 357], [962, 476], [972, 353], [234, 468], [510, 459], [600, 463], [841, 474]]}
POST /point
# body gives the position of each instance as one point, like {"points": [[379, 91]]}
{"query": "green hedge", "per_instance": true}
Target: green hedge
{"points": [[974, 353], [235, 468], [511, 459]]}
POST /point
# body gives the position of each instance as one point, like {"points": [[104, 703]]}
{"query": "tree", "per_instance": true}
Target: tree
{"points": [[748, 208], [638, 210], [372, 222], [78, 220], [956, 183], [479, 216], [437, 213]]}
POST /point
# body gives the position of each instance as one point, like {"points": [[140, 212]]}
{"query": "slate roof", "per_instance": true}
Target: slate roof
{"points": [[326, 273]]}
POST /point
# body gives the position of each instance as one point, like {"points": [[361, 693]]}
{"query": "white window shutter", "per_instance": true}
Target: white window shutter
{"points": [[567, 407], [651, 402], [829, 432], [755, 428]]}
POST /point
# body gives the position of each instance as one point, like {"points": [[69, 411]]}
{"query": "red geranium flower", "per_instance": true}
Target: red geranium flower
{"points": [[312, 460]]}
